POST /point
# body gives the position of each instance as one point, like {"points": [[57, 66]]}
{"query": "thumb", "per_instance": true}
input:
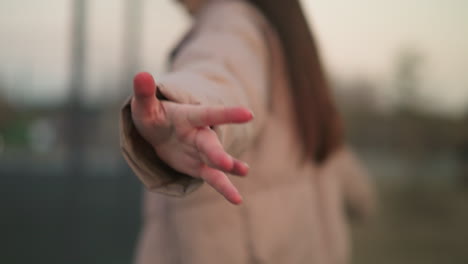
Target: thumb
{"points": [[144, 89]]}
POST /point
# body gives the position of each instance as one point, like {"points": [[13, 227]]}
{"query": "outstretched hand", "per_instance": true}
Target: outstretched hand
{"points": [[181, 136]]}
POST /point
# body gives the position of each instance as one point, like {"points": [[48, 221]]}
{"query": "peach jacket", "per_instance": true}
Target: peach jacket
{"points": [[292, 212]]}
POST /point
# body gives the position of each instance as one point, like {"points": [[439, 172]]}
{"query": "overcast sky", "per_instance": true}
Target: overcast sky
{"points": [[358, 38]]}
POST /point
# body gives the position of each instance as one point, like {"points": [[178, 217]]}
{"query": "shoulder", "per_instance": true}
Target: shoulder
{"points": [[226, 27], [230, 14]]}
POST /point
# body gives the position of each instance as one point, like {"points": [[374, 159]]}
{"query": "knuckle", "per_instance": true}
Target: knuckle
{"points": [[186, 136], [145, 121], [206, 116], [218, 182]]}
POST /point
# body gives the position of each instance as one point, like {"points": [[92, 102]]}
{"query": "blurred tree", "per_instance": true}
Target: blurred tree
{"points": [[463, 161], [12, 126], [6, 111], [407, 80], [462, 152], [408, 77]]}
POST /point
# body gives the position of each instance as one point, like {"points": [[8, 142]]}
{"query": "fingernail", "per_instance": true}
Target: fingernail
{"points": [[239, 202], [247, 169]]}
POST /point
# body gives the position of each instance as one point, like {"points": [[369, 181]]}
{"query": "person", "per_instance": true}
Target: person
{"points": [[245, 94]]}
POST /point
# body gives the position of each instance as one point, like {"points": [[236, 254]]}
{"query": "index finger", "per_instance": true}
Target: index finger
{"points": [[202, 116]]}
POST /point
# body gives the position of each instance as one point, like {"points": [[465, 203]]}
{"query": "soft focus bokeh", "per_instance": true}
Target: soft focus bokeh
{"points": [[399, 70]]}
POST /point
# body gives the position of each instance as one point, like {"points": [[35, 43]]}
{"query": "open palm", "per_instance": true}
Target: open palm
{"points": [[182, 137]]}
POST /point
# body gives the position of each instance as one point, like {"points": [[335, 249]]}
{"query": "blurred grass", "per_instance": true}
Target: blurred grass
{"points": [[418, 222], [415, 224]]}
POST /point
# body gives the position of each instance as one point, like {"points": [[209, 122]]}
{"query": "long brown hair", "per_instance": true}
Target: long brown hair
{"points": [[319, 123]]}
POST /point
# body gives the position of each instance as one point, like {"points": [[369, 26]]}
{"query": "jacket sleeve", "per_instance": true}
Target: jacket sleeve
{"points": [[358, 189], [223, 63]]}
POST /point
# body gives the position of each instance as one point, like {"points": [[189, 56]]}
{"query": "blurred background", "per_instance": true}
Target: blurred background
{"points": [[399, 74]]}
